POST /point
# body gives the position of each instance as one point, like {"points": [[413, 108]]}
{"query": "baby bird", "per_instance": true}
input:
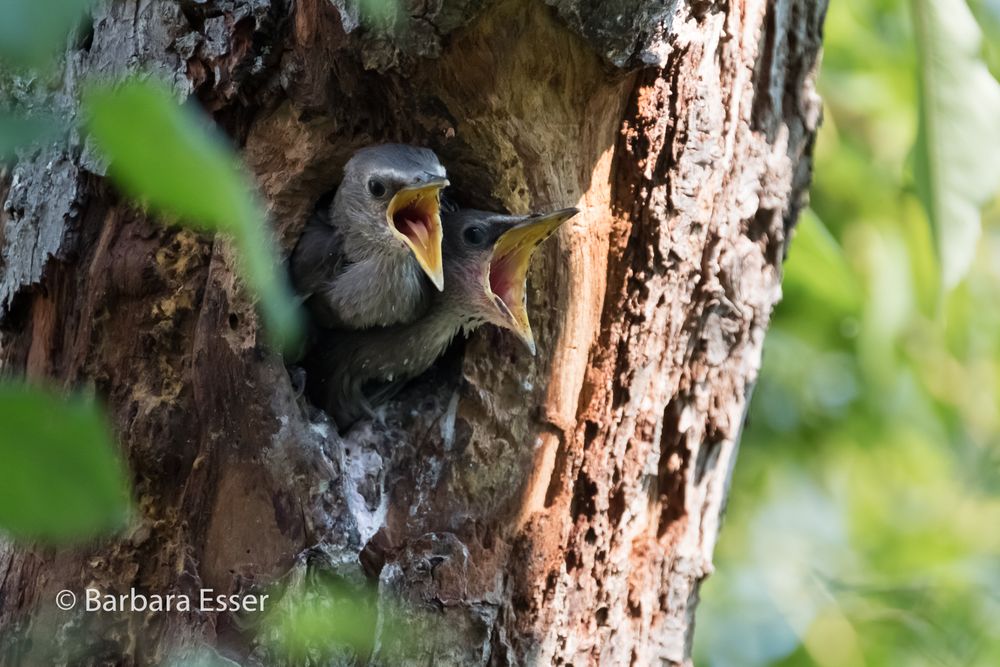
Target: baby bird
{"points": [[374, 257], [486, 258]]}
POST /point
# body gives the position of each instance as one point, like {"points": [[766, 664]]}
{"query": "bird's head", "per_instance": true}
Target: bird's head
{"points": [[487, 256], [390, 197]]}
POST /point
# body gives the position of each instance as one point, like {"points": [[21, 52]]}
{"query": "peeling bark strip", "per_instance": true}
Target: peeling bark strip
{"points": [[553, 510]]}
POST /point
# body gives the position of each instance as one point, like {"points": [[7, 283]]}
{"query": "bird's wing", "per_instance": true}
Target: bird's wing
{"points": [[335, 373], [377, 393], [317, 260], [318, 255]]}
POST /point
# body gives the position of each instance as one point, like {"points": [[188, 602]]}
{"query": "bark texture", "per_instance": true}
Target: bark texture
{"points": [[560, 509]]}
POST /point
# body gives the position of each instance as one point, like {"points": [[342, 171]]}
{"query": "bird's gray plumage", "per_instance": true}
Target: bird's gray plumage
{"points": [[350, 370], [353, 271]]}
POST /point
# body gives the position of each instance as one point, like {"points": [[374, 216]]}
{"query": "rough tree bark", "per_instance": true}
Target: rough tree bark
{"points": [[554, 510]]}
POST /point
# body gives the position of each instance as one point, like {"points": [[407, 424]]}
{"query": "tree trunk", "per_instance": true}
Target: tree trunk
{"points": [[554, 509]]}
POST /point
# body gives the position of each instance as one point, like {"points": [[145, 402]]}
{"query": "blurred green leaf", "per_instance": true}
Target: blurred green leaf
{"points": [[816, 262], [925, 270], [60, 477], [169, 157], [325, 618], [18, 130], [956, 164], [378, 14], [164, 154], [987, 13], [32, 30], [199, 658]]}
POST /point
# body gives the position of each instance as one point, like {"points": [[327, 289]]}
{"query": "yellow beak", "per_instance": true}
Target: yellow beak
{"points": [[508, 268], [414, 216]]}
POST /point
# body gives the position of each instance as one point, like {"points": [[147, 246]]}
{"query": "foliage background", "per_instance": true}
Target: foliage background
{"points": [[863, 525]]}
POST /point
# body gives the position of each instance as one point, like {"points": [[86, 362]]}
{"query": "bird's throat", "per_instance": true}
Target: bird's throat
{"points": [[414, 225], [415, 217]]}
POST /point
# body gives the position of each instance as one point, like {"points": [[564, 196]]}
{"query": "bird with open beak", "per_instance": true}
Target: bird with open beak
{"points": [[486, 259], [374, 257]]}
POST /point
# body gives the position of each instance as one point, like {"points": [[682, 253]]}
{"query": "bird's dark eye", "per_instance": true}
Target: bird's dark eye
{"points": [[474, 235], [376, 187]]}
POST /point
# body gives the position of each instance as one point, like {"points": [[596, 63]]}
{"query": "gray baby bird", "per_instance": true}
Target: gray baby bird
{"points": [[374, 257], [486, 259]]}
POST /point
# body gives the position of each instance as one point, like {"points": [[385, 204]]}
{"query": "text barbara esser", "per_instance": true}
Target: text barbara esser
{"points": [[206, 600]]}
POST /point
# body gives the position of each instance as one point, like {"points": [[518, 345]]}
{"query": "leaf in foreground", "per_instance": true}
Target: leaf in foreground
{"points": [[957, 170], [325, 619], [60, 477], [32, 30], [169, 157], [18, 130]]}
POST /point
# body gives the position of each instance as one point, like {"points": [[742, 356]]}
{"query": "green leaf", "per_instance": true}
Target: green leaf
{"points": [[60, 477], [325, 618], [956, 164], [321, 616], [174, 160], [17, 131], [32, 30], [378, 14], [168, 156], [816, 263]]}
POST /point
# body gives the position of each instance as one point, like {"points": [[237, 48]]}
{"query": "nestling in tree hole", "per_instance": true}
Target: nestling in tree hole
{"points": [[486, 258], [374, 257]]}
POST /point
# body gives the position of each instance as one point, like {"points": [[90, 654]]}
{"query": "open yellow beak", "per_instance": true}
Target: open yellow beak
{"points": [[414, 216], [508, 269]]}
